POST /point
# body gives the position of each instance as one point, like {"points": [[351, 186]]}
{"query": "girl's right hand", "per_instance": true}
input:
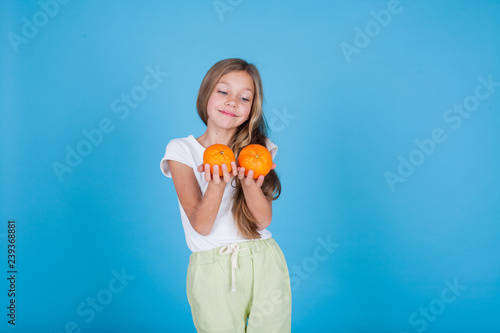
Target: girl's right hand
{"points": [[216, 178]]}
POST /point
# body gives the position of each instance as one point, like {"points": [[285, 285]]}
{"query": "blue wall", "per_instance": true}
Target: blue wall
{"points": [[387, 118]]}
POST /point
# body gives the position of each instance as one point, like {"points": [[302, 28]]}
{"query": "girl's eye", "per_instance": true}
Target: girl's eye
{"points": [[245, 99], [222, 92]]}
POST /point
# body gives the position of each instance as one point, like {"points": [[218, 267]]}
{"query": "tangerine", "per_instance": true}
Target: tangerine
{"points": [[257, 158], [218, 154]]}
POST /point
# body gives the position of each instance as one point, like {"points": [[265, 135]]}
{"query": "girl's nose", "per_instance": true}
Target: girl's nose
{"points": [[231, 102]]}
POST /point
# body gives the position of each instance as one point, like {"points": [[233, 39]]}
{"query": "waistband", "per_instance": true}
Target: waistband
{"points": [[251, 247]]}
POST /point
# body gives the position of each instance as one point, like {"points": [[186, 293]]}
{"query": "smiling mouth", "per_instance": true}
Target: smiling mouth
{"points": [[227, 113]]}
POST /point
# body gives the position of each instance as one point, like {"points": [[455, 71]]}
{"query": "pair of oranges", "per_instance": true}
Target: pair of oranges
{"points": [[253, 157]]}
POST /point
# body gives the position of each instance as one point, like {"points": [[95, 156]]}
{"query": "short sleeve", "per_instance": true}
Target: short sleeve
{"points": [[273, 149], [175, 151]]}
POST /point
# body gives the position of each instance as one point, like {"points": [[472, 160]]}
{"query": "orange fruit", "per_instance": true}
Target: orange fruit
{"points": [[218, 154], [257, 158]]}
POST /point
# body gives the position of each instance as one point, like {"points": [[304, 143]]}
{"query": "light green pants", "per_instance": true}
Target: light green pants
{"points": [[229, 285]]}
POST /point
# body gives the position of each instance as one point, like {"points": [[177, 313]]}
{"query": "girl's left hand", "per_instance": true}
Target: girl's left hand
{"points": [[248, 180]]}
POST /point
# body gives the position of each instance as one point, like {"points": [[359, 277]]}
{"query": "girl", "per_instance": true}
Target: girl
{"points": [[237, 279]]}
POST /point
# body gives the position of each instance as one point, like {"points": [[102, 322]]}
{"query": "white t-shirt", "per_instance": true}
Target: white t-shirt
{"points": [[224, 231]]}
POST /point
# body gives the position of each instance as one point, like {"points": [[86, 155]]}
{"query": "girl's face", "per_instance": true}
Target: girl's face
{"points": [[230, 103]]}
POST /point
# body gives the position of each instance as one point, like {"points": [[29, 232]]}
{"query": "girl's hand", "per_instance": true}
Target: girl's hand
{"points": [[216, 177], [248, 180]]}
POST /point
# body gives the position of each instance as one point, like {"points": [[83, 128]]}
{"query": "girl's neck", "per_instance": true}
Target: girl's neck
{"points": [[216, 136]]}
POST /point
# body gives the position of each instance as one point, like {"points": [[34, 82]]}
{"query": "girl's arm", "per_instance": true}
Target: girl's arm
{"points": [[257, 202], [201, 210]]}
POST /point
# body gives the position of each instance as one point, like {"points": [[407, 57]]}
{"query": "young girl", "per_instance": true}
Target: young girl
{"points": [[237, 279]]}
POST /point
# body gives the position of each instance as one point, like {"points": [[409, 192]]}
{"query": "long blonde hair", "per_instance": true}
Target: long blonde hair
{"points": [[254, 130]]}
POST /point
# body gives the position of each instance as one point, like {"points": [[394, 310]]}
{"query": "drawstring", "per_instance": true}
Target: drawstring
{"points": [[233, 248]]}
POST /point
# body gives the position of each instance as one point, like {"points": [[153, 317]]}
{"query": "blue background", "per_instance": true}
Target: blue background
{"points": [[349, 120]]}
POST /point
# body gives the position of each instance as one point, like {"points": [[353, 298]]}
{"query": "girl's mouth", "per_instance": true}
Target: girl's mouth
{"points": [[227, 113]]}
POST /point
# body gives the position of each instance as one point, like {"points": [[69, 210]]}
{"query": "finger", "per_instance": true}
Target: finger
{"points": [[234, 169], [217, 178], [216, 170], [208, 177], [241, 173], [249, 178], [260, 181], [273, 166], [225, 173], [201, 168]]}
